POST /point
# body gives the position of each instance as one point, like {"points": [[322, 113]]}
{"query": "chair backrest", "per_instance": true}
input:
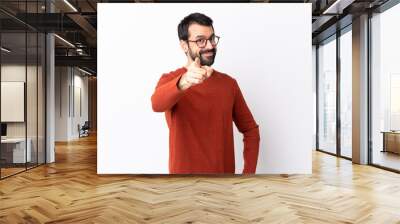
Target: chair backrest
{"points": [[86, 124]]}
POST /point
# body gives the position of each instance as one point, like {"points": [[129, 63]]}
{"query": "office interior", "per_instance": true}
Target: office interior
{"points": [[48, 86], [48, 81]]}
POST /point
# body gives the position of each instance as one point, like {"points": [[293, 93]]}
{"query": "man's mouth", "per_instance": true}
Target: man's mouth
{"points": [[208, 54]]}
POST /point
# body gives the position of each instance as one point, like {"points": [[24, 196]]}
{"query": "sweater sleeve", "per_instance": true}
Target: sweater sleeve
{"points": [[246, 124], [166, 93]]}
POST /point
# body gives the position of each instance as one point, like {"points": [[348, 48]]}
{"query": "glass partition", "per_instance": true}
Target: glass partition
{"points": [[385, 89], [14, 153], [22, 77], [346, 93], [327, 96]]}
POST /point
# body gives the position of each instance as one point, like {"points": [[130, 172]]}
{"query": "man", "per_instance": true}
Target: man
{"points": [[200, 105]]}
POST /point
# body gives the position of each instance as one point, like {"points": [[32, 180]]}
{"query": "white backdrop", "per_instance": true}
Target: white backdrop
{"points": [[265, 47]]}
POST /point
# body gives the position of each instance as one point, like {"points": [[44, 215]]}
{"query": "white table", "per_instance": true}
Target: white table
{"points": [[18, 145]]}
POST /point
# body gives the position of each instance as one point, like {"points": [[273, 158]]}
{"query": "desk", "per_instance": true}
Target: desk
{"points": [[391, 141], [13, 150]]}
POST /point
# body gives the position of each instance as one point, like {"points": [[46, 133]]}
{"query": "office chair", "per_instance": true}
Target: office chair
{"points": [[84, 130]]}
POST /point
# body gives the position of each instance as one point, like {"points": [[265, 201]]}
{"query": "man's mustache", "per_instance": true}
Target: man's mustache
{"points": [[209, 51]]}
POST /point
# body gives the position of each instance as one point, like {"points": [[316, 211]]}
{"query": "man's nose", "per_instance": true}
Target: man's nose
{"points": [[209, 46]]}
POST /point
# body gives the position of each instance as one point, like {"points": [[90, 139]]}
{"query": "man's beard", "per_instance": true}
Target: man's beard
{"points": [[204, 60]]}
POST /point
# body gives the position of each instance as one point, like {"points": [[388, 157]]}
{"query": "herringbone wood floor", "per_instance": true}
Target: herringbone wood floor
{"points": [[70, 191]]}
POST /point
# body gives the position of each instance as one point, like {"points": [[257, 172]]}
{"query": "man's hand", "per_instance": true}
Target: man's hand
{"points": [[209, 70], [195, 74]]}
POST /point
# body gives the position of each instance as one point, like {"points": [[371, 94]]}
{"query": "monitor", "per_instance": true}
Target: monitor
{"points": [[3, 129]]}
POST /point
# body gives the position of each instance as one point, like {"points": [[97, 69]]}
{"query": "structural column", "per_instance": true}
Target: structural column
{"points": [[360, 90], [50, 92]]}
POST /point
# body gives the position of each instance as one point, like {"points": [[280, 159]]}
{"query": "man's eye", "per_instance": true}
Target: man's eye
{"points": [[201, 41]]}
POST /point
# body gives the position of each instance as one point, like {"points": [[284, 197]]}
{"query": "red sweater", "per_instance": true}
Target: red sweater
{"points": [[200, 124]]}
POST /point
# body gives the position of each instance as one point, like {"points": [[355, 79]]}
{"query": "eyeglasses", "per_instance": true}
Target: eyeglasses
{"points": [[201, 43]]}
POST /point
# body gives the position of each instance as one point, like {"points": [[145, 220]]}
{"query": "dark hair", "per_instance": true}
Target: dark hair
{"points": [[199, 18]]}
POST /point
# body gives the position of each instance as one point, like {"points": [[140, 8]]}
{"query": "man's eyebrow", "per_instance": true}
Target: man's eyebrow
{"points": [[201, 36]]}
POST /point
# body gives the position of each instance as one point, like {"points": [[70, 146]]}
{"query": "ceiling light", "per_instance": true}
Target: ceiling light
{"points": [[70, 5], [5, 50], [84, 71], [64, 40], [337, 7]]}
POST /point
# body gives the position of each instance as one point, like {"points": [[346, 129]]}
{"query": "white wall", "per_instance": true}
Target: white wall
{"points": [[67, 84], [17, 73], [80, 84], [265, 47], [61, 103], [314, 87], [33, 127]]}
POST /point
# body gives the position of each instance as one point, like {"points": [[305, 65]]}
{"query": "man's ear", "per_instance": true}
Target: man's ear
{"points": [[184, 46]]}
